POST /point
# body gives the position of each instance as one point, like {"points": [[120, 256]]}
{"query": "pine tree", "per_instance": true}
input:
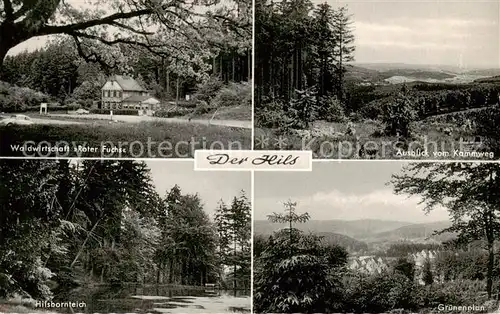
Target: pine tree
{"points": [[344, 48], [427, 275], [233, 224]]}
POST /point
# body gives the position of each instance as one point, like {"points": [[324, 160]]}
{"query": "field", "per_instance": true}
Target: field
{"points": [[146, 139], [432, 138]]}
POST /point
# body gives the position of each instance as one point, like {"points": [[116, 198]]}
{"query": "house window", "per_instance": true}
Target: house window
{"points": [[107, 93], [103, 93], [114, 93], [119, 94]]}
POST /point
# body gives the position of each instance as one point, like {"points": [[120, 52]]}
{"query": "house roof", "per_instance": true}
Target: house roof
{"points": [[137, 98], [127, 83]]}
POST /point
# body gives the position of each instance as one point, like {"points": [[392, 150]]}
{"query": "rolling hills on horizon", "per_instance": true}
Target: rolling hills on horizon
{"points": [[365, 230], [402, 73]]}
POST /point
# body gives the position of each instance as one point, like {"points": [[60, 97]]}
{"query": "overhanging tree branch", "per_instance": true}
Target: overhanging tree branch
{"points": [[108, 20]]}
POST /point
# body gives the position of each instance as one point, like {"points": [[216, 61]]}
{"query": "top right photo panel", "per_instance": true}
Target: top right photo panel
{"points": [[373, 79]]}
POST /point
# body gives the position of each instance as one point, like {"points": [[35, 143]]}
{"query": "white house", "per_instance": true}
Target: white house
{"points": [[122, 92]]}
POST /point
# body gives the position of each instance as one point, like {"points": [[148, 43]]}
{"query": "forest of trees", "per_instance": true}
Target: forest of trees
{"points": [[74, 223], [462, 272], [187, 50], [302, 52], [304, 73]]}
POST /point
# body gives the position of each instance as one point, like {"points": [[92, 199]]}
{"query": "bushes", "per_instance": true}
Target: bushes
{"points": [[125, 112], [177, 112], [19, 99], [273, 116], [298, 277], [398, 115], [331, 110], [203, 108], [234, 94], [379, 293], [214, 92], [298, 114], [208, 90]]}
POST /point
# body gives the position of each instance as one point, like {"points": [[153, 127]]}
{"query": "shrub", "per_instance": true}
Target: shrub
{"points": [[208, 90], [331, 110], [273, 116], [127, 112], [298, 277], [379, 293], [171, 113], [19, 99], [303, 109], [398, 116], [373, 110], [203, 108], [234, 94]]}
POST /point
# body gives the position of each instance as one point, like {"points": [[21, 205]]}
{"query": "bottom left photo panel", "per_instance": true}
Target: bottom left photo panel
{"points": [[127, 236]]}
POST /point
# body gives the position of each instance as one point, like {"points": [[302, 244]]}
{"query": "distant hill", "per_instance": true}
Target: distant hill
{"points": [[415, 232], [357, 229], [419, 74], [358, 233], [404, 73], [351, 244], [382, 67], [360, 74], [493, 79], [485, 72]]}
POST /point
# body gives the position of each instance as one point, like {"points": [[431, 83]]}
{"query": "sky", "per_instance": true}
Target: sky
{"points": [[210, 185], [340, 190], [437, 32]]}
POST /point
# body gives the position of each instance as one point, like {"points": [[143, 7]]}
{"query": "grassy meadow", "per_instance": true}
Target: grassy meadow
{"points": [[144, 139]]}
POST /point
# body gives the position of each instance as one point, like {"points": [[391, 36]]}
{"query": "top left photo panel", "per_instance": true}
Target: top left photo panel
{"points": [[125, 78]]}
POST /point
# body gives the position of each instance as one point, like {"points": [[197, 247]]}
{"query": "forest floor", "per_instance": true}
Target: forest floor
{"points": [[331, 142], [147, 139]]}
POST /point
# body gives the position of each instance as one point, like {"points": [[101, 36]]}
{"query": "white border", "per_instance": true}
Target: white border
{"points": [[252, 204], [256, 168], [253, 76]]}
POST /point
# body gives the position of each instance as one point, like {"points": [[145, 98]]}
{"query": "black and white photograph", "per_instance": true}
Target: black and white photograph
{"points": [[125, 78], [92, 236], [377, 237], [378, 79]]}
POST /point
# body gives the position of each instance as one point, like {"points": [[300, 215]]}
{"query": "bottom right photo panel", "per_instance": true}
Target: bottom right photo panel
{"points": [[377, 237]]}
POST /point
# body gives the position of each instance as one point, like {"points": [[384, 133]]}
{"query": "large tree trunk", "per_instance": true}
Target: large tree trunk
{"points": [[249, 61], [3, 53]]}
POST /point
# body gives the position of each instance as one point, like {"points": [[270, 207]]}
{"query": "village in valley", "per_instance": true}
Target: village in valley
{"points": [[177, 73]]}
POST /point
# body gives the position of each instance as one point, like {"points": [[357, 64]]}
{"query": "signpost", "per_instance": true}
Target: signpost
{"points": [[43, 107]]}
